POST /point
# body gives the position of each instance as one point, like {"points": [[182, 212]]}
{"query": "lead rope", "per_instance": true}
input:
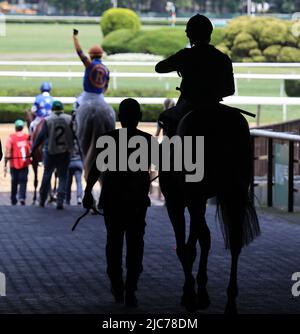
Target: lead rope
{"points": [[97, 211]]}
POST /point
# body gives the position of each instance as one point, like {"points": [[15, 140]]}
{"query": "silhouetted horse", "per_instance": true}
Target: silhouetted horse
{"points": [[227, 175]]}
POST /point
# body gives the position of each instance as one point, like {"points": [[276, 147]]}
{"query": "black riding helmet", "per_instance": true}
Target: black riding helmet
{"points": [[199, 29]]}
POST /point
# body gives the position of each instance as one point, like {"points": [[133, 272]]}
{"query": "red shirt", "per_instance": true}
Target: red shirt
{"points": [[18, 150]]}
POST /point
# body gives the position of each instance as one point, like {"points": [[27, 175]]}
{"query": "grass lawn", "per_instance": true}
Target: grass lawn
{"points": [[46, 39]]}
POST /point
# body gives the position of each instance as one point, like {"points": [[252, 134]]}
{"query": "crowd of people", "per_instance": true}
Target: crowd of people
{"points": [[51, 132]]}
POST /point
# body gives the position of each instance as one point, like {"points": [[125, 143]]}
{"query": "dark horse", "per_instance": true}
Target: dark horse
{"points": [[227, 176], [37, 157]]}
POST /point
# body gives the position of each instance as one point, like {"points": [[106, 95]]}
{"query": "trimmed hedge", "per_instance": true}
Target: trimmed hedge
{"points": [[10, 112], [260, 39], [159, 41], [163, 42], [292, 88], [117, 41], [119, 18]]}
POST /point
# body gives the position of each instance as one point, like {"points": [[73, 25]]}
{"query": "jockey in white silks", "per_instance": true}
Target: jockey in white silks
{"points": [[93, 115]]}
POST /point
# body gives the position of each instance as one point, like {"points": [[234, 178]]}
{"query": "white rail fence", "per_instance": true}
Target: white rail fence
{"points": [[232, 100], [114, 75], [133, 63]]}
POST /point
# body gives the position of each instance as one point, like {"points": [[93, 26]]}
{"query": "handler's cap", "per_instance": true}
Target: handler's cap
{"points": [[96, 50], [57, 106], [19, 123]]}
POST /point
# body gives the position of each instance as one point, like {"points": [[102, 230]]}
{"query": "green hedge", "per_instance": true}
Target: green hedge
{"points": [[260, 39], [163, 42], [117, 41], [10, 112], [292, 88], [119, 18]]}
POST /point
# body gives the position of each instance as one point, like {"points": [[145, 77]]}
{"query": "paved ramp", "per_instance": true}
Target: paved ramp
{"points": [[49, 269]]}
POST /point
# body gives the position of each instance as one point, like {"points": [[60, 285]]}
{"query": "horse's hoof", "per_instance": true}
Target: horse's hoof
{"points": [[231, 308], [189, 301], [203, 299]]}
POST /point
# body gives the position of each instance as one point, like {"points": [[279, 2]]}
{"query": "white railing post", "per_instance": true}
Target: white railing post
{"points": [[284, 112], [236, 87], [115, 85], [281, 88]]}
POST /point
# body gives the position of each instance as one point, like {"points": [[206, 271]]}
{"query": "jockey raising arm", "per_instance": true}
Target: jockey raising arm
{"points": [[96, 77], [86, 61]]}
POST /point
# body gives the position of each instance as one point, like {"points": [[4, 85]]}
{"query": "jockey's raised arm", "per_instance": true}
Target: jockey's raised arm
{"points": [[85, 59], [96, 75]]}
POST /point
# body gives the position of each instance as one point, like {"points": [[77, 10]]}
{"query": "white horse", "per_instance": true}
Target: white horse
{"points": [[93, 118]]}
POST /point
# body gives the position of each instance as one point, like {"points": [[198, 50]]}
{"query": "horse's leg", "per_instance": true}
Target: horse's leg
{"points": [[176, 215], [52, 192], [232, 290], [35, 182], [199, 231], [236, 216]]}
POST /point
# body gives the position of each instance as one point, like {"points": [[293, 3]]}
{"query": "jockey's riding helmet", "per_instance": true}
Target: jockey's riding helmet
{"points": [[96, 51], [45, 87], [199, 28]]}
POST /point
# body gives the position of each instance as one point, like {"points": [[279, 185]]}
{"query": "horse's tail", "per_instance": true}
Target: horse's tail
{"points": [[238, 219], [235, 207]]}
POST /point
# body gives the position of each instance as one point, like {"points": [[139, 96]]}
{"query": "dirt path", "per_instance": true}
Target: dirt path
{"points": [[6, 129]]}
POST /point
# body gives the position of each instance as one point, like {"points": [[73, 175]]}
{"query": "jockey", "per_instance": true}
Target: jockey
{"points": [[96, 76], [42, 105], [207, 73]]}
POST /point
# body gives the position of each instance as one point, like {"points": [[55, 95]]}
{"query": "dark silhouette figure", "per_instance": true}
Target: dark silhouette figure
{"points": [[1, 152], [207, 74], [206, 78], [124, 199]]}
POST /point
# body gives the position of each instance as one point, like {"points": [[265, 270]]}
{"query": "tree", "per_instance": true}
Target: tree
{"points": [[157, 6]]}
